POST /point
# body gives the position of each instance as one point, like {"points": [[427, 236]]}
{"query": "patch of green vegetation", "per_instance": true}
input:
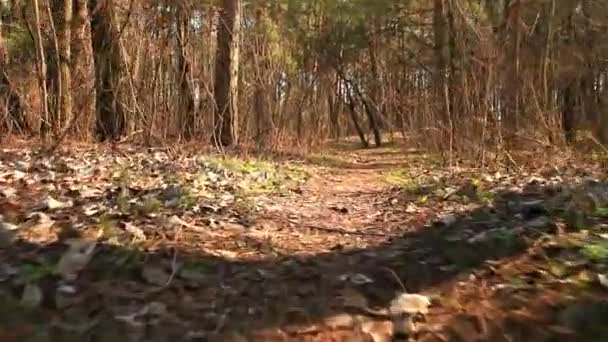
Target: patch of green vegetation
{"points": [[121, 177], [599, 156], [188, 199], [575, 219], [116, 262], [33, 273], [507, 241], [601, 212], [19, 41], [108, 228], [123, 201], [596, 251], [325, 160], [254, 177], [403, 180], [461, 255], [236, 165], [149, 206]]}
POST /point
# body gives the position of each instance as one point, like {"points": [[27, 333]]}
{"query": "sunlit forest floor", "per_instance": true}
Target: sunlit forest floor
{"points": [[144, 244]]}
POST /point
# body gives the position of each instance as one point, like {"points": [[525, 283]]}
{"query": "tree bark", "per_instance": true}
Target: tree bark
{"points": [[441, 38], [353, 115], [262, 74], [186, 94], [45, 120], [59, 72], [82, 66], [226, 74], [110, 118]]}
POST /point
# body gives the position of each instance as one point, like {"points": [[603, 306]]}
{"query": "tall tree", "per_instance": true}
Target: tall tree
{"points": [[82, 66], [65, 11], [110, 115], [59, 69], [226, 74], [183, 72], [45, 120]]}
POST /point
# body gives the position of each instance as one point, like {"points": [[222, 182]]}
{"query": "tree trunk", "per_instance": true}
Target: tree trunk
{"points": [[59, 78], [82, 66], [226, 74], [569, 102], [185, 97], [110, 118], [261, 59], [45, 120], [441, 37], [353, 114]]}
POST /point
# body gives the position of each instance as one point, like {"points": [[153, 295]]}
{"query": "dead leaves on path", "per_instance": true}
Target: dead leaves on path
{"points": [[209, 248]]}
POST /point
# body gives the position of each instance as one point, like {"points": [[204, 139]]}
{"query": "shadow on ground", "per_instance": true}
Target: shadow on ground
{"points": [[463, 261]]}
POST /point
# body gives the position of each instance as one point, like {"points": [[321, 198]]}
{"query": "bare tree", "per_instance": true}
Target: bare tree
{"points": [[110, 118], [226, 74]]}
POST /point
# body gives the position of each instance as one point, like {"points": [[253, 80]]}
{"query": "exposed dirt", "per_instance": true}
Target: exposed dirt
{"points": [[316, 261]]}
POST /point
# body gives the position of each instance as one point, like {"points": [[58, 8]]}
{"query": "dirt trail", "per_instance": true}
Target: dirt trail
{"points": [[320, 262]]}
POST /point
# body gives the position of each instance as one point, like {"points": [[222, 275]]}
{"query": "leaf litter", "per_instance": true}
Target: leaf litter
{"points": [[201, 247]]}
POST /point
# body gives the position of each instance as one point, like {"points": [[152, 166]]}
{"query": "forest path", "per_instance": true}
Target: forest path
{"points": [[96, 246]]}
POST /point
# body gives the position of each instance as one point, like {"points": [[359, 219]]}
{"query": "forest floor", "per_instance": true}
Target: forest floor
{"points": [[349, 245]]}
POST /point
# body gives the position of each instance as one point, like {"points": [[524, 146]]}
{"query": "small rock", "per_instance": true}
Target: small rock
{"points": [[52, 204], [75, 258], [539, 222], [359, 279], [154, 308], [6, 272], [192, 274], [171, 193], [31, 296], [155, 275], [67, 296], [448, 220], [410, 303], [603, 280]]}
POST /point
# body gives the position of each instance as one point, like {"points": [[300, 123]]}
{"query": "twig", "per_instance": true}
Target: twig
{"points": [[174, 260], [345, 232], [396, 277]]}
